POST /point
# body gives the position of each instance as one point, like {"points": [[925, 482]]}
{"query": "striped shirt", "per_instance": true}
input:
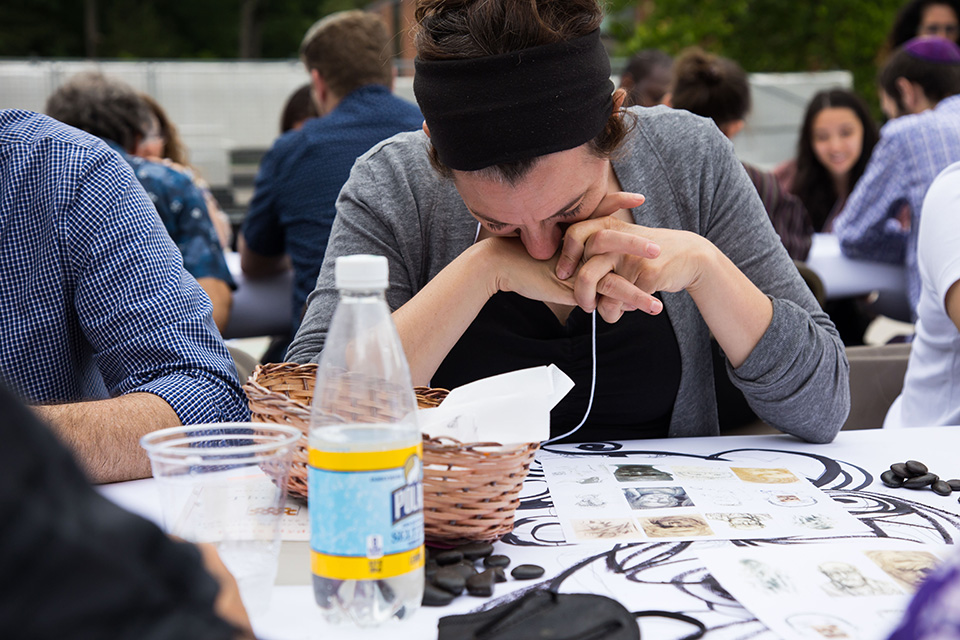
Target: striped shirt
{"points": [[94, 300], [912, 150]]}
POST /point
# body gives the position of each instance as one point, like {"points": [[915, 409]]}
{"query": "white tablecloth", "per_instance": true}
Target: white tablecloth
{"points": [[844, 277], [661, 575]]}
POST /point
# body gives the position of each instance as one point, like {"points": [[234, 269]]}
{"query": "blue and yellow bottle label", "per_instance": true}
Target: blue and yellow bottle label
{"points": [[366, 513]]}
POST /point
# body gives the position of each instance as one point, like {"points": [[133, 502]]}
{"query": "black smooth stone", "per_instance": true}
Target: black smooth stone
{"points": [[900, 469], [941, 487], [430, 569], [527, 572], [891, 479], [916, 468], [476, 550], [920, 481], [449, 579], [435, 596], [481, 584], [464, 568], [450, 556], [954, 484], [499, 574], [496, 561]]}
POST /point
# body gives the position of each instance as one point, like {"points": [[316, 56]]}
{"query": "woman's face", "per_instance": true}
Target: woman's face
{"points": [[837, 136], [939, 20], [562, 188]]}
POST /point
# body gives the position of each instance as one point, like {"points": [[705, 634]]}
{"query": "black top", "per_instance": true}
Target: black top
{"points": [[75, 565], [638, 364]]}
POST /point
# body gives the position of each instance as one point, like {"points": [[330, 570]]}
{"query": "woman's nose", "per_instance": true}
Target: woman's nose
{"points": [[541, 243]]}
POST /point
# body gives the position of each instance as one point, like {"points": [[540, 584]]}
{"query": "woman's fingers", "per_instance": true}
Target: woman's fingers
{"points": [[576, 236]]}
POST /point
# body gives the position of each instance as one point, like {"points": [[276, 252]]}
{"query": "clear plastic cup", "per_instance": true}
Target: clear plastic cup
{"points": [[226, 484]]}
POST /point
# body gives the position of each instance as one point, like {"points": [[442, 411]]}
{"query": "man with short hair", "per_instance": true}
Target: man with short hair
{"points": [[115, 113], [102, 329], [294, 203], [919, 87]]}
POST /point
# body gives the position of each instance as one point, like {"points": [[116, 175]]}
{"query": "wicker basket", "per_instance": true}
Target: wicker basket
{"points": [[470, 491]]}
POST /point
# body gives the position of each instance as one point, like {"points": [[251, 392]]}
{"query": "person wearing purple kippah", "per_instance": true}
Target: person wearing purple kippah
{"points": [[517, 236], [919, 87]]}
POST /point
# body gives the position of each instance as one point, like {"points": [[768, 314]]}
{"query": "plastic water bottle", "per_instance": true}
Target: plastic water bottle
{"points": [[365, 462]]}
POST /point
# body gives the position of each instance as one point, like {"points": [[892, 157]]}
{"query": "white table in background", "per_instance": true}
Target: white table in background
{"points": [[663, 575], [261, 307]]}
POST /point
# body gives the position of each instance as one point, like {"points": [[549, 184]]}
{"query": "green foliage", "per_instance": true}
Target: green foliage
{"points": [[157, 28], [769, 35]]}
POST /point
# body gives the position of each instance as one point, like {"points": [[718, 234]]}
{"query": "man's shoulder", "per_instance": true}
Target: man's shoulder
{"points": [[34, 133]]}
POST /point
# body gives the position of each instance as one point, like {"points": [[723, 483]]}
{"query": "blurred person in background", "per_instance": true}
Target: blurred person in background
{"points": [[646, 78], [836, 140], [717, 88], [162, 143], [115, 113], [298, 109], [293, 205], [919, 91], [925, 18], [103, 332]]}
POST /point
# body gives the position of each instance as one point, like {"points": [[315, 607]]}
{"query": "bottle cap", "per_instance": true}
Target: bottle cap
{"points": [[361, 272]]}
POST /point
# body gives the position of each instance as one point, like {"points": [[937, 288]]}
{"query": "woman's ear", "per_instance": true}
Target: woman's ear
{"points": [[667, 99], [426, 129], [618, 97]]}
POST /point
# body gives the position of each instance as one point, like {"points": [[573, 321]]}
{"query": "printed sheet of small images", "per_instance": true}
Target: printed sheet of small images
{"points": [[855, 591], [680, 499]]}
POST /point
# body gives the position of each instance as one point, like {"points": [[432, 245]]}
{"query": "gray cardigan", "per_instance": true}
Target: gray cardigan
{"points": [[797, 377]]}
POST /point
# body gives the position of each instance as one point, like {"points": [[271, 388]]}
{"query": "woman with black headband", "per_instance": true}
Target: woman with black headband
{"points": [[517, 237]]}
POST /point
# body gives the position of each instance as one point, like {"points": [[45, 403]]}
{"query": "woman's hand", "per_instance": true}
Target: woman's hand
{"points": [[531, 278], [622, 264]]}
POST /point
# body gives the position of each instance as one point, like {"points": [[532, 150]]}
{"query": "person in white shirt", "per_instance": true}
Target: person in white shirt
{"points": [[931, 386]]}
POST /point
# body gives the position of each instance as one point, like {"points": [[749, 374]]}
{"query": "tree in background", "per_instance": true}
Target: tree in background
{"points": [[160, 28], [766, 35]]}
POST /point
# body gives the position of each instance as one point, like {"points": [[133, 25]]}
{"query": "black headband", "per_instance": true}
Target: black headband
{"points": [[515, 106]]}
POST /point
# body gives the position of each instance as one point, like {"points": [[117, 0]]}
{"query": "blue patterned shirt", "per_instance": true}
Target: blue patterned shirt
{"points": [[912, 150], [182, 208], [94, 301], [294, 202]]}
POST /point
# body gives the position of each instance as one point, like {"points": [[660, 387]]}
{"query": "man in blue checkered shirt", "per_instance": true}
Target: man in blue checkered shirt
{"points": [[102, 329], [919, 87], [111, 110]]}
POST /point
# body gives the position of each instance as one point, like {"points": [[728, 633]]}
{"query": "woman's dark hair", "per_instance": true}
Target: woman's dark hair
{"points": [[813, 183], [299, 107], [465, 29], [907, 22], [710, 86]]}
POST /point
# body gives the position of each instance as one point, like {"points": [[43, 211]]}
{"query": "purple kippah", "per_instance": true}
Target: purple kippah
{"points": [[933, 49]]}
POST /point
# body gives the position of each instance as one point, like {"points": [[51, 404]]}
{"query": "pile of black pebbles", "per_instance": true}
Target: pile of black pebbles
{"points": [[450, 572], [915, 475]]}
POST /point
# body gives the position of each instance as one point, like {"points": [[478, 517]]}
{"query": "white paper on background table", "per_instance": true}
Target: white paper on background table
{"points": [[850, 591], [672, 499]]}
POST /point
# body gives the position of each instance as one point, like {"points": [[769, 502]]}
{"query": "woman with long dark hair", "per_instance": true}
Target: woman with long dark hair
{"points": [[836, 140]]}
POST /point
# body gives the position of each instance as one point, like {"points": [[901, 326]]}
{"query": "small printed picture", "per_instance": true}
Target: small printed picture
{"points": [[701, 473], [816, 521], [907, 568], [844, 579], [821, 625], [718, 497], [742, 521], [605, 529], [641, 473], [764, 475], [590, 501], [657, 497], [676, 526], [788, 498], [766, 578]]}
